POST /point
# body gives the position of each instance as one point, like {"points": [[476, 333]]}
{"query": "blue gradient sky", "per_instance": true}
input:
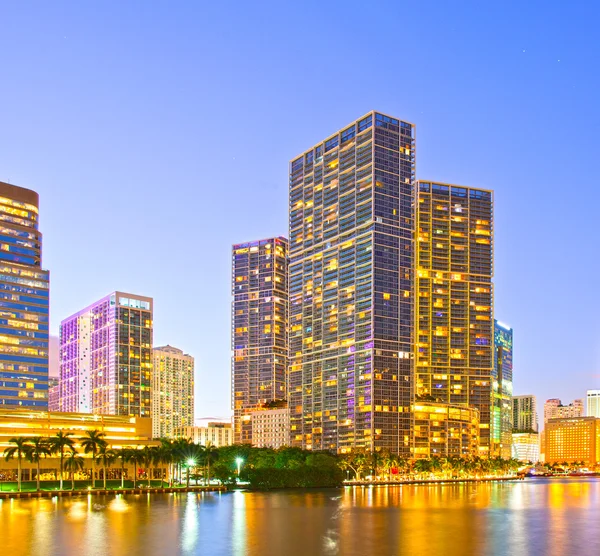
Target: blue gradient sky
{"points": [[158, 134]]}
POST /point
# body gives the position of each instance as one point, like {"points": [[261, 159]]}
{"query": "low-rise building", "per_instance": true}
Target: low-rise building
{"points": [[271, 428], [445, 430], [526, 446], [573, 440], [216, 433]]}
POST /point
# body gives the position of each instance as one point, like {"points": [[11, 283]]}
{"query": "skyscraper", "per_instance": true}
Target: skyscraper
{"points": [[24, 305], [172, 391], [554, 409], [593, 403], [259, 329], [106, 357], [454, 353], [351, 254], [524, 413], [502, 383]]}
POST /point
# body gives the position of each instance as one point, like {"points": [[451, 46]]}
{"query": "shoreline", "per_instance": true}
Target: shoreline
{"points": [[433, 481], [105, 492]]}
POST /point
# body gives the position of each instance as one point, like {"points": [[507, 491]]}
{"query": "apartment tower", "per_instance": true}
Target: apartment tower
{"points": [[351, 255], [593, 403], [106, 357], [454, 324], [524, 410], [24, 301], [259, 329], [502, 388], [172, 391]]}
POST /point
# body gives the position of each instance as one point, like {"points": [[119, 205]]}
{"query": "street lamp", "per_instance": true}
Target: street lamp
{"points": [[239, 462]]}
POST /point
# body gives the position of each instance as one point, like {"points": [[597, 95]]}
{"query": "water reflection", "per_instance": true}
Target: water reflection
{"points": [[554, 517]]}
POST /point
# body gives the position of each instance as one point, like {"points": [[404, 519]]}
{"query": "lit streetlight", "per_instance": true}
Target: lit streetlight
{"points": [[239, 462]]}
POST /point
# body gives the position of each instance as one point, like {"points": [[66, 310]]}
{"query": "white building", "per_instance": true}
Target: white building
{"points": [[172, 391], [271, 428], [593, 403], [217, 434], [554, 409], [526, 446]]}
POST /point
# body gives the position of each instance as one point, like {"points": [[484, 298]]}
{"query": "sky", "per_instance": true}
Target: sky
{"points": [[158, 134]]}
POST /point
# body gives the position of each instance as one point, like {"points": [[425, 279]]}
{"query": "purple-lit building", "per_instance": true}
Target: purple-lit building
{"points": [[106, 357]]}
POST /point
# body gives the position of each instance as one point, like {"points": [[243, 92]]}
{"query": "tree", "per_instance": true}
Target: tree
{"points": [[106, 456], [211, 454], [73, 463], [91, 444], [357, 461], [148, 456], [123, 455], [39, 449], [19, 450], [135, 457], [57, 445]]}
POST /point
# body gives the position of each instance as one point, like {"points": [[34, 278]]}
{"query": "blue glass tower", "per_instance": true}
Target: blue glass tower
{"points": [[24, 301], [502, 389]]}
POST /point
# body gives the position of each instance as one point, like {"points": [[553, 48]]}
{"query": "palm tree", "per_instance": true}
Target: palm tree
{"points": [[135, 457], [106, 456], [91, 444], [20, 449], [73, 463], [57, 445], [38, 450], [123, 455], [211, 453], [167, 455]]}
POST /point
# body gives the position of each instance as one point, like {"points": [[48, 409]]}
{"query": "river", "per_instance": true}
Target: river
{"points": [[553, 517]]}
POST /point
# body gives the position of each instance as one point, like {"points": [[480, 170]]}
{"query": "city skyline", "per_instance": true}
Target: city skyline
{"points": [[49, 133]]}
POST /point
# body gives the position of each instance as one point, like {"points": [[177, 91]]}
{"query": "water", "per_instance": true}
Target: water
{"points": [[539, 516]]}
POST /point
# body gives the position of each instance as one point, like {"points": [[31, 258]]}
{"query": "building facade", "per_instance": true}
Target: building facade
{"points": [[502, 389], [445, 430], [454, 324], [216, 434], [524, 413], [554, 409], [350, 271], [53, 394], [271, 428], [526, 446], [106, 357], [573, 440], [24, 302], [259, 328], [593, 403], [172, 391]]}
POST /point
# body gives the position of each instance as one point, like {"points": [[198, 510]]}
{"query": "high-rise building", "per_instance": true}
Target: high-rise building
{"points": [[172, 391], [259, 329], [524, 413], [454, 323], [502, 387], [24, 301], [572, 440], [106, 357], [593, 403], [53, 394], [554, 409], [351, 255]]}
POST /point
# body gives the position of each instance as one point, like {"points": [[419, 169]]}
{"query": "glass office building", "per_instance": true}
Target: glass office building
{"points": [[524, 413], [259, 329], [106, 357], [24, 301], [502, 387], [351, 254], [454, 343]]}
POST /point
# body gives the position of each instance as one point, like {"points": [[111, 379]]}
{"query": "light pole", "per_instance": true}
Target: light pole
{"points": [[190, 463], [239, 462]]}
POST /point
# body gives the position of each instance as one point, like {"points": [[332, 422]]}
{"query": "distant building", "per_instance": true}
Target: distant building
{"points": [[502, 387], [53, 394], [524, 413], [24, 299], [216, 433], [526, 446], [593, 403], [106, 357], [554, 409], [572, 440], [172, 391], [271, 428], [259, 328], [445, 430]]}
